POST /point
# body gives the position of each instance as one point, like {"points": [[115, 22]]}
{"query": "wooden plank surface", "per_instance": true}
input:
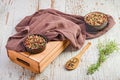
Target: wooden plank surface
{"points": [[12, 11]]}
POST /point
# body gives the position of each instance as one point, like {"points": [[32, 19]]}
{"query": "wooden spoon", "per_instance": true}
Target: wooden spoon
{"points": [[73, 62]]}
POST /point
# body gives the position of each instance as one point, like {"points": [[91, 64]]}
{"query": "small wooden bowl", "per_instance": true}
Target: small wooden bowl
{"points": [[96, 20], [35, 43]]}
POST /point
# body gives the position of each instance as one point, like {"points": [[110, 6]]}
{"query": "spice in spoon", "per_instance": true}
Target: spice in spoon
{"points": [[73, 62]]}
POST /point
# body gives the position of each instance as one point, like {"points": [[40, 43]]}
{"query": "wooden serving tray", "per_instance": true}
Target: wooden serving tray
{"points": [[38, 62]]}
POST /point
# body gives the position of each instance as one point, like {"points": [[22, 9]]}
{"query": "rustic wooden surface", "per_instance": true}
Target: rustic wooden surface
{"points": [[13, 11]]}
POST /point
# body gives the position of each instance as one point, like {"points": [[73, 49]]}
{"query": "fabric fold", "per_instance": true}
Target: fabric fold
{"points": [[55, 25]]}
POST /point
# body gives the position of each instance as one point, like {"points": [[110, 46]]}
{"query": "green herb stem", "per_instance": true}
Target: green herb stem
{"points": [[105, 49]]}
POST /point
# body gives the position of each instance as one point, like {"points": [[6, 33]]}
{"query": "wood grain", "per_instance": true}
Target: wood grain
{"points": [[18, 9]]}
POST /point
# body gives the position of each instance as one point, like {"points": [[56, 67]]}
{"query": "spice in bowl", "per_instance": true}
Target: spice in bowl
{"points": [[96, 20], [35, 43]]}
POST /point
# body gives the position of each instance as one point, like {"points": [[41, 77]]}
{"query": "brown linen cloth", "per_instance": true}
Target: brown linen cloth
{"points": [[55, 25]]}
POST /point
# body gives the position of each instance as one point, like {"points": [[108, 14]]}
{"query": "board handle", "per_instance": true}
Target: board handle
{"points": [[23, 62]]}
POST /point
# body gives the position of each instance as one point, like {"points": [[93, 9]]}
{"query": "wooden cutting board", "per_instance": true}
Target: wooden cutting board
{"points": [[38, 62]]}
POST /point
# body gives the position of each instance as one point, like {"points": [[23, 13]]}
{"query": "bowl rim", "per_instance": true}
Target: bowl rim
{"points": [[46, 40], [95, 12]]}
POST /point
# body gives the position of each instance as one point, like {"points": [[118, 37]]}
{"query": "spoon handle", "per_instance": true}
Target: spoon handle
{"points": [[83, 50]]}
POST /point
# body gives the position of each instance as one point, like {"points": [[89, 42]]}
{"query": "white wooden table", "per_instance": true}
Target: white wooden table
{"points": [[13, 11]]}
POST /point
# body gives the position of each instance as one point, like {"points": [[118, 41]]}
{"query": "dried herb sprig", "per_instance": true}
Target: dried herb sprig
{"points": [[106, 48]]}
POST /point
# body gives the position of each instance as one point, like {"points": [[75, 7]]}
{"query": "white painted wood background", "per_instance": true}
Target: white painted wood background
{"points": [[13, 11]]}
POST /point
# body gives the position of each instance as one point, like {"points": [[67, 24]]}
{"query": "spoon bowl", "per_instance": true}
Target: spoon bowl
{"points": [[73, 62]]}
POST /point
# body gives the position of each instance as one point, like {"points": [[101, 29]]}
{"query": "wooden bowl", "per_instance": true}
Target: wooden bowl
{"points": [[35, 43], [96, 20]]}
